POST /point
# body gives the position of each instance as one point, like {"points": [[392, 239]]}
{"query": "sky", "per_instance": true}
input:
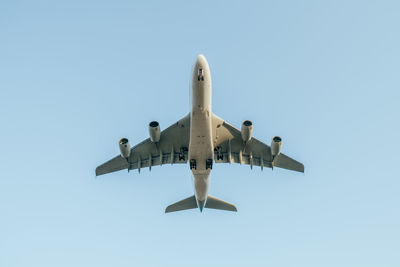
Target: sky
{"points": [[76, 76]]}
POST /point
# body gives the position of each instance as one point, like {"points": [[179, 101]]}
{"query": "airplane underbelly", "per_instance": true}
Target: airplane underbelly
{"points": [[201, 150], [200, 146], [201, 185]]}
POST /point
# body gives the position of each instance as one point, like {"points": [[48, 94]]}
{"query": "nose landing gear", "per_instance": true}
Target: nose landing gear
{"points": [[200, 75]]}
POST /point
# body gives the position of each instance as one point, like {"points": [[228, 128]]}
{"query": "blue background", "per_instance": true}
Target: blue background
{"points": [[75, 76]]}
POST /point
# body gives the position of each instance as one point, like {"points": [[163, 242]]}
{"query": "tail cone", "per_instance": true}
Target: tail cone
{"points": [[201, 205]]}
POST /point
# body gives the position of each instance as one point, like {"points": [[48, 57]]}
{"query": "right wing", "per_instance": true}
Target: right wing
{"points": [[172, 148], [230, 148]]}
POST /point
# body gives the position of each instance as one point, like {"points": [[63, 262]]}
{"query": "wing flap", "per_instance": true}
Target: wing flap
{"points": [[119, 163]]}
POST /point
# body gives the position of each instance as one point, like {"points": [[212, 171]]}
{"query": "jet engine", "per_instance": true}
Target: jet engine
{"points": [[276, 145], [247, 130], [124, 147], [154, 131]]}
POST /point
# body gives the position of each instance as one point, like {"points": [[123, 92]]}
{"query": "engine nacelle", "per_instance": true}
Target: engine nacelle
{"points": [[154, 131], [247, 130], [125, 148], [276, 145]]}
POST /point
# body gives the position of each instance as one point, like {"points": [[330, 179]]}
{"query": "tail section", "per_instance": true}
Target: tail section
{"points": [[186, 204], [218, 204], [191, 203]]}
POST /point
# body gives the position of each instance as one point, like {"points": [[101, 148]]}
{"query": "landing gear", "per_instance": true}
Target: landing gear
{"points": [[200, 75], [209, 164], [182, 153], [218, 151], [193, 164]]}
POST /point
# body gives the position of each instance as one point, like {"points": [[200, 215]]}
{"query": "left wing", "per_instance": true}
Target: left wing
{"points": [[172, 148], [230, 148]]}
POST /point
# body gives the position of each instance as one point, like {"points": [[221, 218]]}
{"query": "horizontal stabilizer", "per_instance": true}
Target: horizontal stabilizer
{"points": [[186, 204], [218, 204]]}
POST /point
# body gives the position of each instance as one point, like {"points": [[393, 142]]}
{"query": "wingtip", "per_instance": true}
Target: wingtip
{"points": [[168, 209], [97, 171]]}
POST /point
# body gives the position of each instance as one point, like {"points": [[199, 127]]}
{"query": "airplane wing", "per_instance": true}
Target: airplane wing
{"points": [[172, 148], [230, 148]]}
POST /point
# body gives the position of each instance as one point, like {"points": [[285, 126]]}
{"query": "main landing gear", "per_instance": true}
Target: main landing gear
{"points": [[182, 153], [218, 151], [193, 164], [209, 164]]}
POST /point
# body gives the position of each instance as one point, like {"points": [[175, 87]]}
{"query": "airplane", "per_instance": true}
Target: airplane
{"points": [[200, 138]]}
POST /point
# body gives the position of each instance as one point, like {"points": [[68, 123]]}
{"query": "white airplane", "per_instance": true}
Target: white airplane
{"points": [[201, 138]]}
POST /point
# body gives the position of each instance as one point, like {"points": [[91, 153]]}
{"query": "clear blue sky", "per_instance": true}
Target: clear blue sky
{"points": [[75, 76]]}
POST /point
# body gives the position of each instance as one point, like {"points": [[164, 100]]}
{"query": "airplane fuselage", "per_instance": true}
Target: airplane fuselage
{"points": [[201, 146]]}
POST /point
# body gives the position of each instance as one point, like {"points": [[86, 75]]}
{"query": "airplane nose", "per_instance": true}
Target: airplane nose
{"points": [[201, 60]]}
